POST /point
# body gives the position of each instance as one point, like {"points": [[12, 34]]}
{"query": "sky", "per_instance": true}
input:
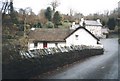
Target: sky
{"points": [[82, 6]]}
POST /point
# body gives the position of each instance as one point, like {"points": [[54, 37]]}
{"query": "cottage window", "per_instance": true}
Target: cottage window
{"points": [[76, 36], [35, 44], [56, 44]]}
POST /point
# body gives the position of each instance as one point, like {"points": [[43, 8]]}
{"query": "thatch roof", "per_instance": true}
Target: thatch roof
{"points": [[49, 35]]}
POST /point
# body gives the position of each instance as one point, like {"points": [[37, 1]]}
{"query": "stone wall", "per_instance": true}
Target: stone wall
{"points": [[27, 67]]}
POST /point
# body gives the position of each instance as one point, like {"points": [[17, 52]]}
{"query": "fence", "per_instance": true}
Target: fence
{"points": [[36, 62]]}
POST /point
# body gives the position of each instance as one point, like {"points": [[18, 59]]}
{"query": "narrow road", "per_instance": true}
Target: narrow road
{"points": [[97, 67]]}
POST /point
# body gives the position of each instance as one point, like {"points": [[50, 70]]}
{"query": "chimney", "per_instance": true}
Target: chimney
{"points": [[82, 19], [82, 22], [98, 20]]}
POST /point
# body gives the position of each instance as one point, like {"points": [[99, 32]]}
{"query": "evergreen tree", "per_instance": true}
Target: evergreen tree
{"points": [[48, 13], [103, 23], [56, 19], [37, 25], [111, 23], [49, 25]]}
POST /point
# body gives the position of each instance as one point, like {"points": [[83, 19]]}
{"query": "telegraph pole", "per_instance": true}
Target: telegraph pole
{"points": [[24, 15], [24, 26], [11, 10]]}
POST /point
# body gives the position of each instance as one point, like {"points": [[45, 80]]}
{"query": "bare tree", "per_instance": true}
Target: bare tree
{"points": [[41, 16], [28, 10], [106, 12], [54, 4], [78, 15], [71, 12]]}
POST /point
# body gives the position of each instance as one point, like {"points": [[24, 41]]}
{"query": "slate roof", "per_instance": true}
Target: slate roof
{"points": [[49, 35], [92, 23]]}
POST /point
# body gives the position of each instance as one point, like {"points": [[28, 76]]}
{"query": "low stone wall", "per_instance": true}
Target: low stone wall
{"points": [[26, 68]]}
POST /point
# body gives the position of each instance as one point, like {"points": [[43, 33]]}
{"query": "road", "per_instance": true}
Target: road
{"points": [[97, 67]]}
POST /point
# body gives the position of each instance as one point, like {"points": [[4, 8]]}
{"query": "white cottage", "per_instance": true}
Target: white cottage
{"points": [[46, 38], [94, 26], [81, 36]]}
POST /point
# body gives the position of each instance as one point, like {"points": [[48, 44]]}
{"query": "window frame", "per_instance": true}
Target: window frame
{"points": [[76, 37]]}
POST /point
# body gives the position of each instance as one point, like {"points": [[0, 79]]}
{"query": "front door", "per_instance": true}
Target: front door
{"points": [[44, 44]]}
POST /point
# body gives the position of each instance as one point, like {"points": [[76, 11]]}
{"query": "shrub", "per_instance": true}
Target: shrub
{"points": [[49, 25]]}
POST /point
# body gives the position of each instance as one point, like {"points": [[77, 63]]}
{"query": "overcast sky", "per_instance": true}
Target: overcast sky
{"points": [[83, 6]]}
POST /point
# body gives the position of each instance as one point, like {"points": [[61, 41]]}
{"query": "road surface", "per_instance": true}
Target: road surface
{"points": [[97, 67]]}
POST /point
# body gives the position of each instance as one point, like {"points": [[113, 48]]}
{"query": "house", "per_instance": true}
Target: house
{"points": [[81, 36], [94, 26], [46, 38]]}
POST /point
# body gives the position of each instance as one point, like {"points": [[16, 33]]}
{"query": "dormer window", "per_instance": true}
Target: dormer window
{"points": [[76, 36]]}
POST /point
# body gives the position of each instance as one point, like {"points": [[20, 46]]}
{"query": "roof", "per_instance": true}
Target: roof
{"points": [[53, 34], [49, 35], [105, 30], [85, 30], [92, 23]]}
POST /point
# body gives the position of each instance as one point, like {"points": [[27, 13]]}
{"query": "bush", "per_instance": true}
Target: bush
{"points": [[38, 25], [49, 25]]}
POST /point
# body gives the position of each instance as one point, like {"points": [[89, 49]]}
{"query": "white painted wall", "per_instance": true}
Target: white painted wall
{"points": [[84, 38], [32, 47], [96, 30], [40, 45], [60, 44]]}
